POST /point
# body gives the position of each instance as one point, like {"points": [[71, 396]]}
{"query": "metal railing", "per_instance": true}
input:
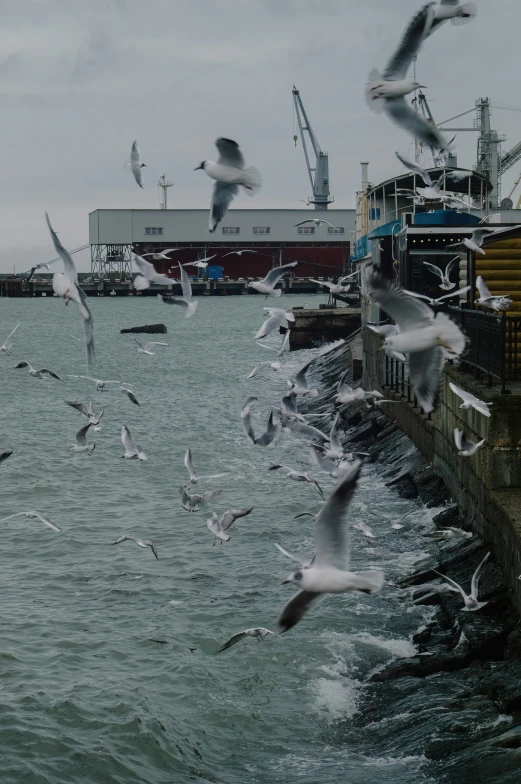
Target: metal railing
{"points": [[494, 344], [397, 379]]}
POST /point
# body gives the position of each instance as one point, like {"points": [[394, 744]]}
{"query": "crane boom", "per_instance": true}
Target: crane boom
{"points": [[319, 173]]}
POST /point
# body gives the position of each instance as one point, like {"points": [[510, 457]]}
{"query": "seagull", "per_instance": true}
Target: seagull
{"points": [[229, 173], [396, 524], [6, 346], [434, 302], [92, 415], [37, 267], [186, 298], [100, 383], [334, 467], [499, 302], [267, 285], [334, 288], [148, 275], [131, 451], [256, 370], [416, 168], [366, 531], [34, 516], [451, 9], [239, 252], [474, 242], [218, 527], [65, 284], [258, 632], [162, 255], [466, 448], [426, 338], [37, 373], [280, 351], [335, 451], [471, 600], [135, 164], [145, 349], [275, 318], [458, 175], [192, 501], [316, 221], [444, 276], [194, 476], [329, 571], [298, 476], [201, 263], [345, 392], [81, 442], [4, 455], [273, 429], [128, 392], [470, 401], [140, 543], [300, 384], [453, 533], [387, 92]]}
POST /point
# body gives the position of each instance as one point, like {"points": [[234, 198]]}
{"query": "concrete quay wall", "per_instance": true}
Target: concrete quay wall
{"points": [[486, 486]]}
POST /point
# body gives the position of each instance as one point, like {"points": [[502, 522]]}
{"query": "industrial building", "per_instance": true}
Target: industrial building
{"points": [[272, 235]]}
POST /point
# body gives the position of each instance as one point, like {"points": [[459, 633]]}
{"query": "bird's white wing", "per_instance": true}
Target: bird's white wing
{"points": [[229, 153], [258, 367], [414, 167], [232, 641], [434, 269], [458, 435], [186, 286], [194, 476], [474, 584], [409, 46], [231, 516], [81, 435], [479, 234], [450, 266], [145, 267], [271, 323], [334, 436], [482, 288], [424, 375], [45, 520], [293, 556], [454, 293], [306, 430], [12, 333], [135, 153], [408, 312], [456, 585], [297, 607], [331, 531], [151, 343], [70, 267], [222, 196], [404, 115], [127, 441], [325, 283], [418, 296], [276, 273]]}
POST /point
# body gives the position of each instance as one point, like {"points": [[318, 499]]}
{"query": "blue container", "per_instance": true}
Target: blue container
{"points": [[445, 218], [214, 272]]}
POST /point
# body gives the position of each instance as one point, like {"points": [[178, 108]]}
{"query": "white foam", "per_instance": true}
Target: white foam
{"points": [[337, 697], [400, 649]]}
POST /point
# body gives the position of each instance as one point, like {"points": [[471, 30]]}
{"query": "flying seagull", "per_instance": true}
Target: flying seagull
{"points": [[256, 370], [200, 263], [298, 476], [229, 173], [499, 302], [161, 256], [258, 632], [300, 384], [470, 401], [34, 516], [452, 533], [267, 285], [316, 221], [186, 298], [100, 383], [474, 242], [275, 318], [334, 288], [466, 448], [194, 476], [146, 349], [128, 392], [92, 415], [272, 431], [438, 300], [131, 451], [135, 164], [81, 445], [148, 275], [386, 92], [218, 527], [329, 571], [37, 373], [427, 339], [37, 267], [192, 502], [451, 9], [6, 346], [416, 168], [239, 252], [65, 284], [444, 275], [471, 600], [140, 543], [279, 351]]}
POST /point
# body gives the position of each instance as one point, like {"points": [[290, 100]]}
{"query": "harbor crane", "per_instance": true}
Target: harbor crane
{"points": [[319, 173]]}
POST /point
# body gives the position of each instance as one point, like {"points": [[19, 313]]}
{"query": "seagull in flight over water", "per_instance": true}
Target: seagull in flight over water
{"points": [[34, 516], [6, 346], [470, 400], [140, 543], [145, 349], [148, 275], [229, 173], [218, 527], [186, 298], [37, 373], [267, 285], [471, 600], [131, 451], [81, 445], [329, 571], [258, 633]]}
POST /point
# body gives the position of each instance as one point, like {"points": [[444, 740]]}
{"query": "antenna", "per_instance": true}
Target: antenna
{"points": [[165, 185]]}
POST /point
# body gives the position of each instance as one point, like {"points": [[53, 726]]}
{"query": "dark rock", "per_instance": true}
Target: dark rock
{"points": [[151, 329], [450, 517], [431, 488], [404, 486], [422, 666]]}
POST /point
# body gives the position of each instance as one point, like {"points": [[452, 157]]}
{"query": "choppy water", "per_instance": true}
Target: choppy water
{"points": [[88, 693]]}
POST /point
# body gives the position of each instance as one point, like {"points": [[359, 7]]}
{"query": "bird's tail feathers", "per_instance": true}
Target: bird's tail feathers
{"points": [[252, 180], [276, 292], [141, 283], [467, 12], [369, 581]]}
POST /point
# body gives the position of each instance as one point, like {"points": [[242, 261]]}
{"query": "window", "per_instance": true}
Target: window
{"points": [[374, 213], [335, 229], [261, 229], [306, 230], [231, 230], [153, 230]]}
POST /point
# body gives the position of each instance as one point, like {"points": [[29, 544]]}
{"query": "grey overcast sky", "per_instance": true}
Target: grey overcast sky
{"points": [[81, 79]]}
